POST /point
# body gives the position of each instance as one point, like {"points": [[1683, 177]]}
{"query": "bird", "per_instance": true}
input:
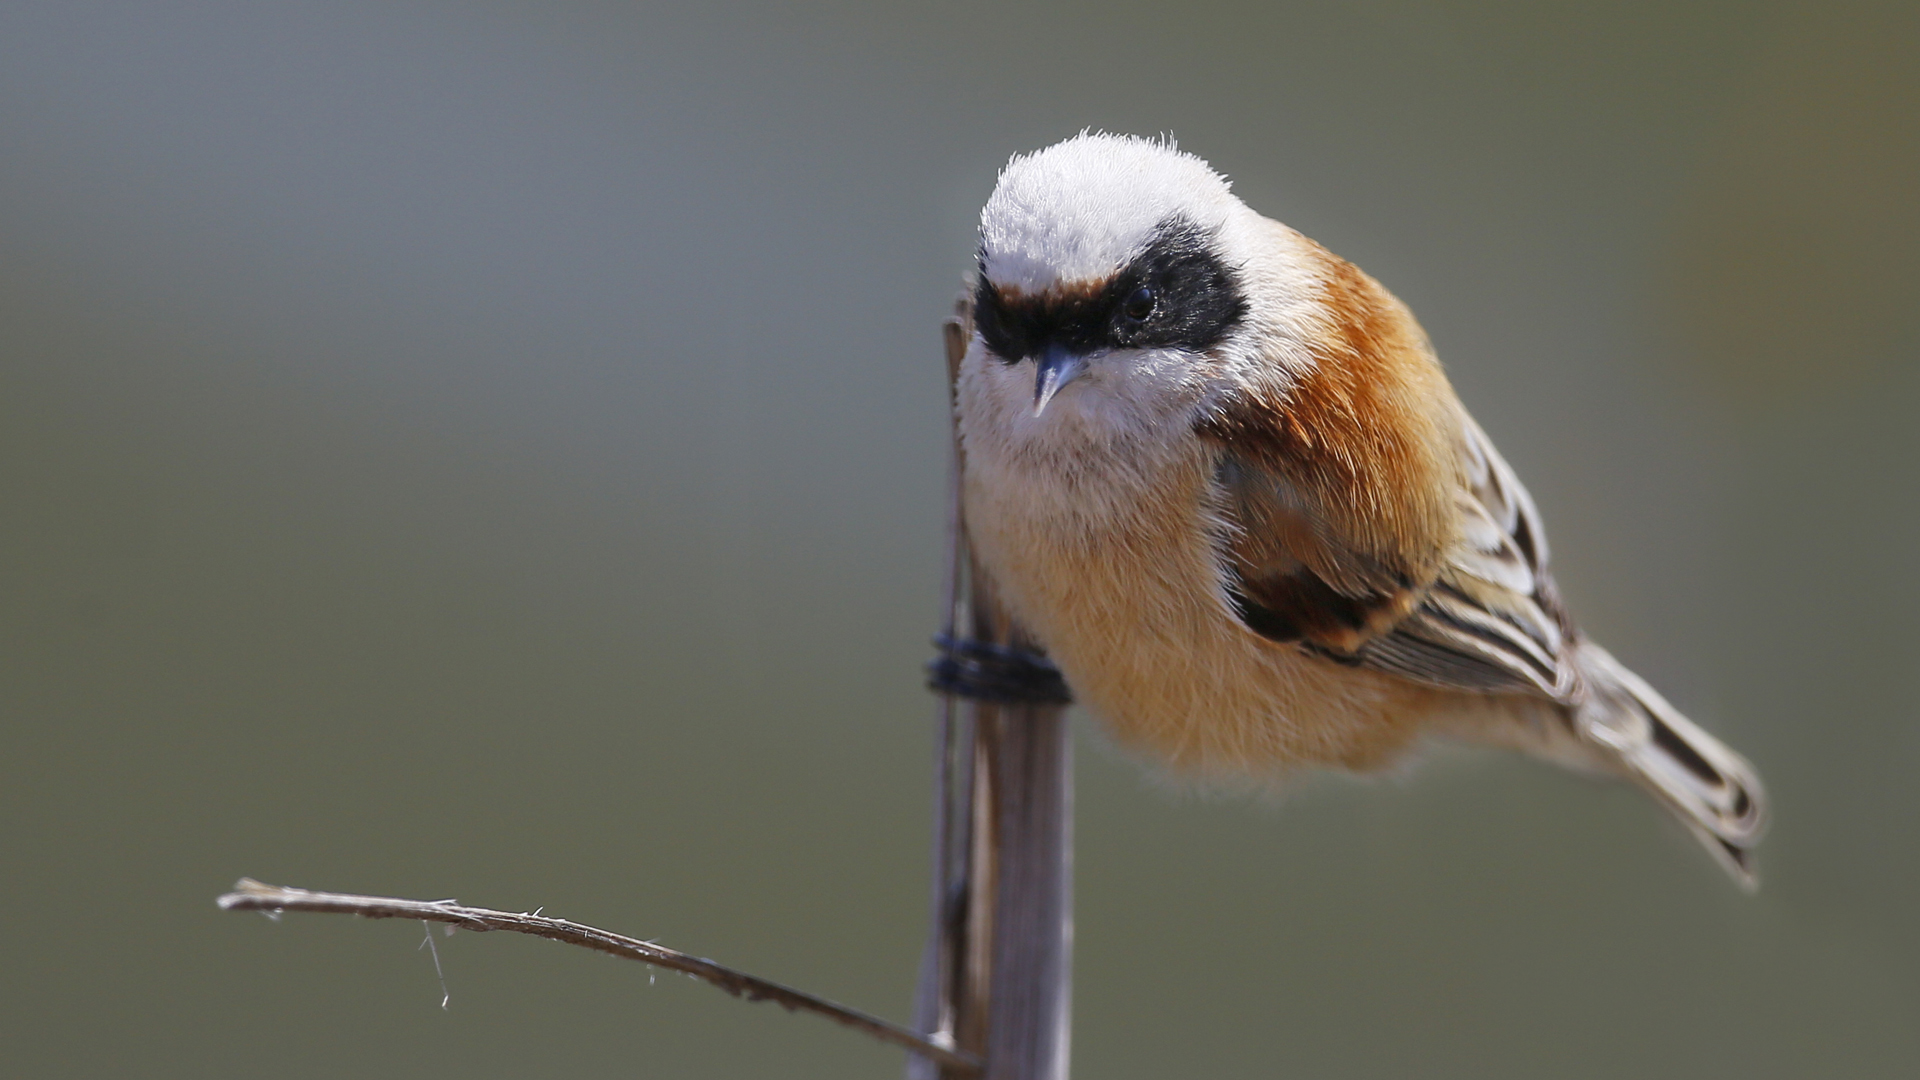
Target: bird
{"points": [[1218, 474]]}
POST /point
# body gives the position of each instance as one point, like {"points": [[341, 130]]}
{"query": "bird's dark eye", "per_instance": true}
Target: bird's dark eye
{"points": [[1139, 304]]}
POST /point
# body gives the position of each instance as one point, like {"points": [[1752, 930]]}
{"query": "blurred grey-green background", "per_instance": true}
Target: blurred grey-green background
{"points": [[495, 450]]}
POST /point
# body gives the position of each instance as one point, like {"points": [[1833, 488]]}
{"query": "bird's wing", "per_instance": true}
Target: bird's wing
{"points": [[1489, 621]]}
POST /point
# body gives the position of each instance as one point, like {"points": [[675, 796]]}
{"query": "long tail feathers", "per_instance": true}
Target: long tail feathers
{"points": [[1711, 789]]}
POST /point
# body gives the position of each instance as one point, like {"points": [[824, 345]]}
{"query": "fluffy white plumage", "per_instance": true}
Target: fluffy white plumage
{"points": [[1078, 210]]}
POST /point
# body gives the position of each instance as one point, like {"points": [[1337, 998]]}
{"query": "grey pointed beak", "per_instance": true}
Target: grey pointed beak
{"points": [[1053, 369]]}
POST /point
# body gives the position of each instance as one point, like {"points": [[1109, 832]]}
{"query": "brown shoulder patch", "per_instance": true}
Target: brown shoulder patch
{"points": [[1361, 433], [1359, 461]]}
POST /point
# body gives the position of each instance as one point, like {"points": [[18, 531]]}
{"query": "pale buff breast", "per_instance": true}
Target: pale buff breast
{"points": [[1115, 571]]}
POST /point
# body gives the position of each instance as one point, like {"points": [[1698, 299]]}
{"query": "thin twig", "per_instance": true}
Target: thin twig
{"points": [[251, 895]]}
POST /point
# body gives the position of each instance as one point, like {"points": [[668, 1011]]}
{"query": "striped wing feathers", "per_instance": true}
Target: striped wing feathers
{"points": [[1488, 621]]}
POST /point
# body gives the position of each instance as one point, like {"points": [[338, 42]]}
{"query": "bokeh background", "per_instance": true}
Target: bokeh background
{"points": [[495, 450]]}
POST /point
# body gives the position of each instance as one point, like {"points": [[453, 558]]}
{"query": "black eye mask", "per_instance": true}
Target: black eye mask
{"points": [[1176, 293]]}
